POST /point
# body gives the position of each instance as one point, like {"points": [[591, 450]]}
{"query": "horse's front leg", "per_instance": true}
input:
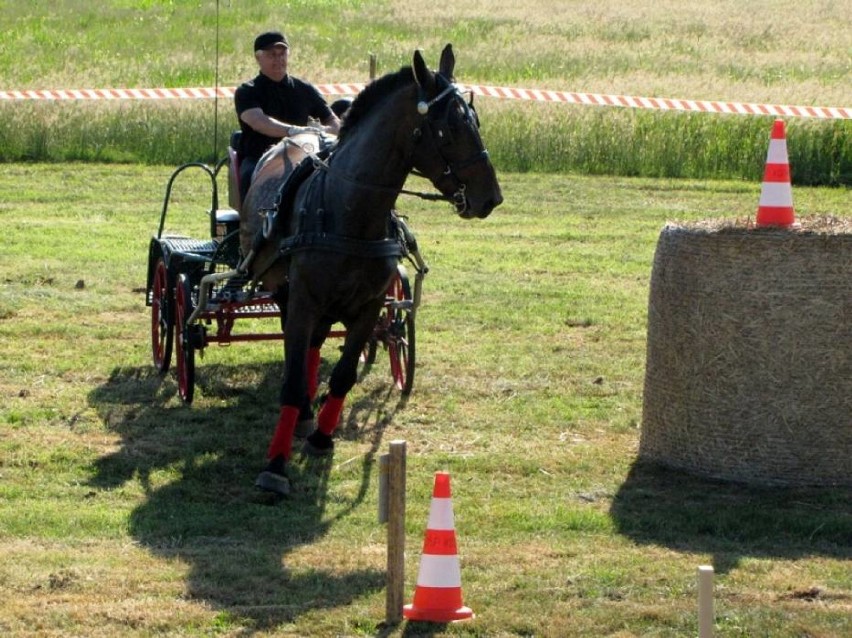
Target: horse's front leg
{"points": [[294, 392], [306, 422], [343, 377]]}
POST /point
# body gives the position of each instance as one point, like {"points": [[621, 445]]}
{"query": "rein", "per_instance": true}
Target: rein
{"points": [[321, 164], [383, 189]]}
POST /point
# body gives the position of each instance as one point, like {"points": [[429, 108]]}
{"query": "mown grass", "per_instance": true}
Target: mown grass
{"points": [[124, 513], [773, 52]]}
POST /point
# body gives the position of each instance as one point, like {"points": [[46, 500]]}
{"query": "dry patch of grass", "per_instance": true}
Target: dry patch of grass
{"points": [[777, 52]]}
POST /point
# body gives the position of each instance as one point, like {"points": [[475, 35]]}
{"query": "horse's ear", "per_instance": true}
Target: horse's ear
{"points": [[422, 75], [448, 62]]}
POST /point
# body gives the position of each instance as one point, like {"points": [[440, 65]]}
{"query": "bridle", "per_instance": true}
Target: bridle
{"points": [[440, 136]]}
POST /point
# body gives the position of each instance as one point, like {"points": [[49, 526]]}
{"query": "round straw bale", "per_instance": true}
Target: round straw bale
{"points": [[749, 354]]}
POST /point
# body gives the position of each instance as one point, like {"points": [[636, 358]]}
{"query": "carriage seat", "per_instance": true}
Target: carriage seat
{"points": [[227, 219]]}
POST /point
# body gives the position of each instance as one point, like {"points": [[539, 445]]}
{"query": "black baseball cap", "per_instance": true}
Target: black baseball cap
{"points": [[270, 39]]}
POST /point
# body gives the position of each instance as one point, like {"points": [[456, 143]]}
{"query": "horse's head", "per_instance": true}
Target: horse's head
{"points": [[449, 150]]}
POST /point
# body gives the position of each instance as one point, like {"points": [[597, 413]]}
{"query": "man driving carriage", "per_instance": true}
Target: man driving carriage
{"points": [[275, 105]]}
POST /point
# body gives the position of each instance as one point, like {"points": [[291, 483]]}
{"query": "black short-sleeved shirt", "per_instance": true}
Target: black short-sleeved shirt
{"points": [[291, 100]]}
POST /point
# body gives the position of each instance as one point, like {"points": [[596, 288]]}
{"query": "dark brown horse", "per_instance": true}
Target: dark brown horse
{"points": [[329, 249]]}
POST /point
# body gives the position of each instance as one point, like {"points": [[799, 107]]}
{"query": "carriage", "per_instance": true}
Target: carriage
{"points": [[199, 296]]}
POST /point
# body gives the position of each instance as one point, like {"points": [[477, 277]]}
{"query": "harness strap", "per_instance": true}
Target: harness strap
{"points": [[378, 248]]}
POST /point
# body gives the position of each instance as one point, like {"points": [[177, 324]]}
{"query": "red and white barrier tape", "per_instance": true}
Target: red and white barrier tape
{"points": [[534, 95], [664, 104], [112, 94]]}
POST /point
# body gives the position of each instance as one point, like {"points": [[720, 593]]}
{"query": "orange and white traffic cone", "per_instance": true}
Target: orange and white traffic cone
{"points": [[438, 596], [776, 194]]}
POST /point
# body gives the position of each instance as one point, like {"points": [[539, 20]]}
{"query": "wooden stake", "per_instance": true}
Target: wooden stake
{"points": [[705, 601], [384, 468], [396, 533]]}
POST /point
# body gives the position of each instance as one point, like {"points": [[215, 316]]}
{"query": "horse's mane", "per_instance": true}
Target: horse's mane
{"points": [[372, 94]]}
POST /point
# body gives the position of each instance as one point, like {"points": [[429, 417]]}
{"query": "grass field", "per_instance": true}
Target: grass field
{"points": [[124, 513], [778, 52]]}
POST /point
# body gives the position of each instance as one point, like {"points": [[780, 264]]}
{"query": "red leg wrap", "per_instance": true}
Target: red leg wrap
{"points": [[330, 414], [313, 372], [282, 440]]}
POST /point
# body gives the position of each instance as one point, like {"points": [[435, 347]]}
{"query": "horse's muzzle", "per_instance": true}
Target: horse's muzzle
{"points": [[479, 209]]}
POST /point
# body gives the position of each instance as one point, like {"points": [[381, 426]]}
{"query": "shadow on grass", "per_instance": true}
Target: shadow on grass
{"points": [[198, 466], [731, 521]]}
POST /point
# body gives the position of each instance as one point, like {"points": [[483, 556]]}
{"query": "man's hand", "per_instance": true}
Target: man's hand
{"points": [[293, 131]]}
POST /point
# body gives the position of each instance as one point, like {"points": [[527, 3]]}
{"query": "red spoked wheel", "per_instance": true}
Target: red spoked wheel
{"points": [[400, 332], [184, 347], [162, 317]]}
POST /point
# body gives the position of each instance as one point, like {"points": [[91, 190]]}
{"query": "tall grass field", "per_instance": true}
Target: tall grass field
{"points": [[124, 513], [769, 52]]}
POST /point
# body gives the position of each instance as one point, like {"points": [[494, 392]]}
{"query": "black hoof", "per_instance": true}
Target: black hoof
{"points": [[318, 444], [273, 478], [271, 482]]}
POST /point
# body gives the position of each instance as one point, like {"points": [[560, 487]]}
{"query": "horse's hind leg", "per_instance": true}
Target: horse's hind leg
{"points": [[343, 377], [306, 423]]}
